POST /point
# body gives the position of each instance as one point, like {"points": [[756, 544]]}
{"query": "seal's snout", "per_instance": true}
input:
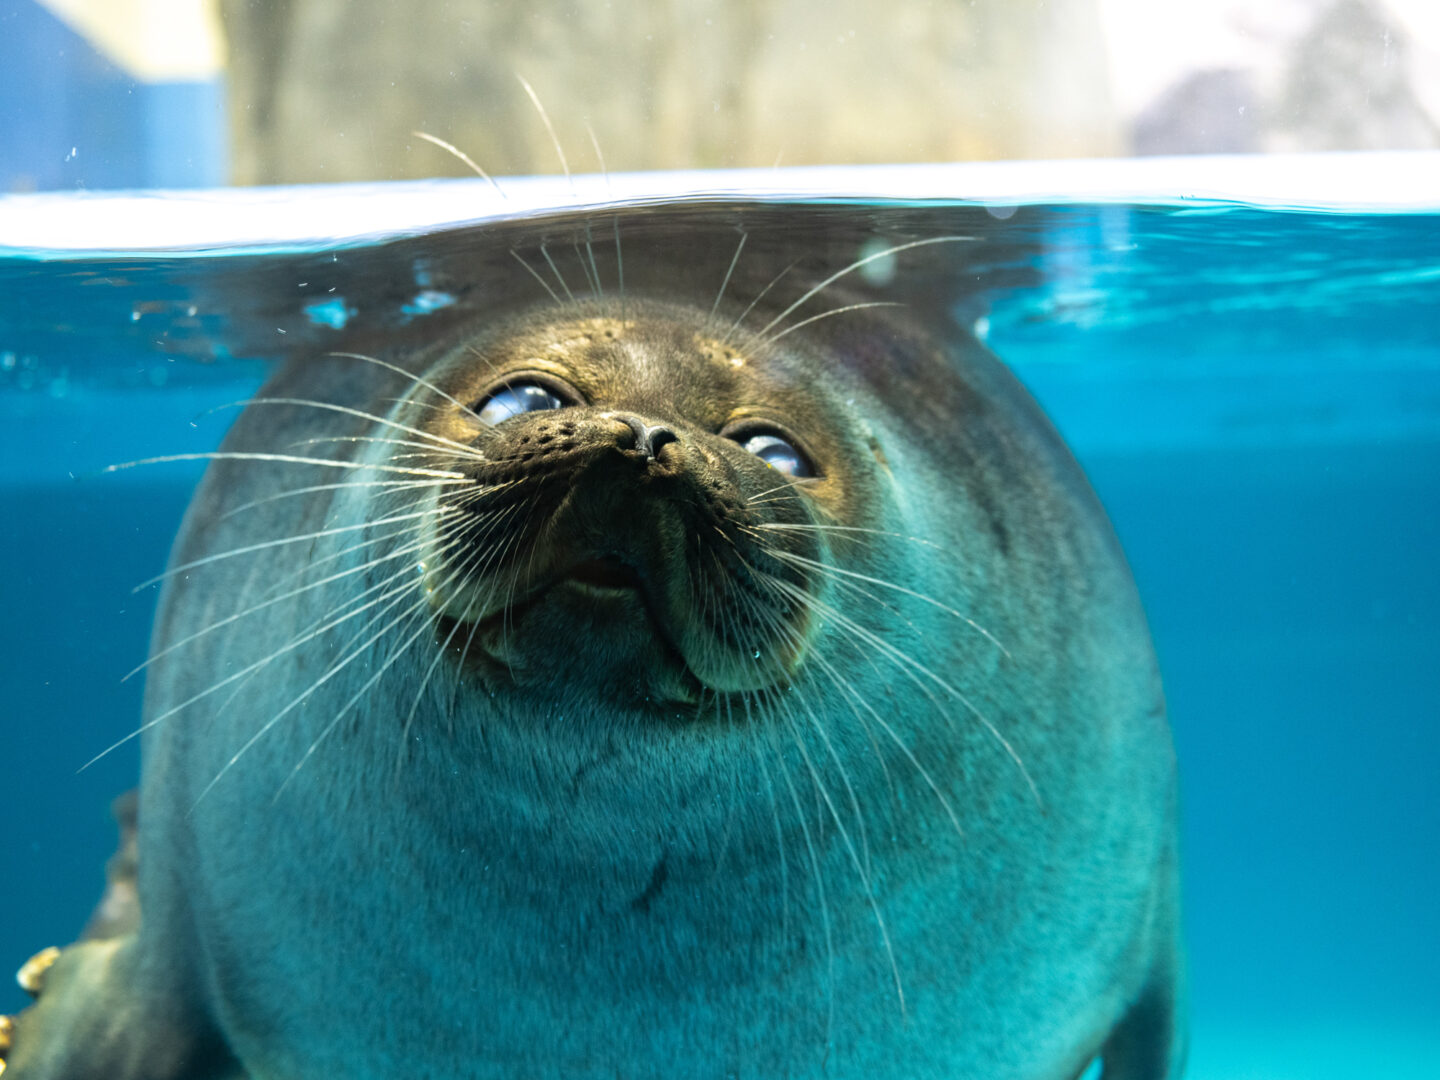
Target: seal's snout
{"points": [[638, 496]]}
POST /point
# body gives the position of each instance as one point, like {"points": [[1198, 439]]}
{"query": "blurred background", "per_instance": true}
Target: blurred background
{"points": [[192, 93]]}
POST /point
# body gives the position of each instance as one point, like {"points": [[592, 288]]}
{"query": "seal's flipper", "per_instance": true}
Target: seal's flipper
{"points": [[98, 1014], [1150, 1042], [92, 1021]]}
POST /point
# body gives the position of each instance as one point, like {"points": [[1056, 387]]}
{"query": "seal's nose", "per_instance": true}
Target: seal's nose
{"points": [[649, 438]]}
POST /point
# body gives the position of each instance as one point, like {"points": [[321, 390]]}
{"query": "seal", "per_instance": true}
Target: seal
{"points": [[643, 682]]}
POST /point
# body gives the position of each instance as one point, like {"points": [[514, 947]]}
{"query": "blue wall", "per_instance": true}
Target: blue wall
{"points": [[70, 118]]}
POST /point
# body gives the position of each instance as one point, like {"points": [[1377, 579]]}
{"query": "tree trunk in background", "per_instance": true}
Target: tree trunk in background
{"points": [[329, 90]]}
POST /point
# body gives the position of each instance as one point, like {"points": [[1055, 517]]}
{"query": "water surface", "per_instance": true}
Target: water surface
{"points": [[1255, 393]]}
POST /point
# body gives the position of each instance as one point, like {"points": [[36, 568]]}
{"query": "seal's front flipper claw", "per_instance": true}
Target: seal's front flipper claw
{"points": [[31, 975], [7, 1031], [31, 978]]}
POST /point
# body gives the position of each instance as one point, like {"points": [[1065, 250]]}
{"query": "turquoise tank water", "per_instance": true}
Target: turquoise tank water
{"points": [[1254, 392]]}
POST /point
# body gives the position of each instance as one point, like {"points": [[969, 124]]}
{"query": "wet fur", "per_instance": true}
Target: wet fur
{"points": [[943, 846]]}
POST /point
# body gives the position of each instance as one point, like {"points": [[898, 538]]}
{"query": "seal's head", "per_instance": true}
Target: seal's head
{"points": [[646, 506]]}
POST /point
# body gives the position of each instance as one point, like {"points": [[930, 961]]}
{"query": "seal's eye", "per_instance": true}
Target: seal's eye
{"points": [[778, 453], [517, 398]]}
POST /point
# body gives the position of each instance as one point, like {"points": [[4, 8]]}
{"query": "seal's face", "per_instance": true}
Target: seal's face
{"points": [[645, 509]]}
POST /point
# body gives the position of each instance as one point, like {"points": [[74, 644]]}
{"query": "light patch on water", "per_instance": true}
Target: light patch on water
{"points": [[426, 301], [332, 313], [880, 269]]}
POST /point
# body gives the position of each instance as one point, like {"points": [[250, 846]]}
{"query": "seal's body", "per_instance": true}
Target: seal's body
{"points": [[643, 690]]}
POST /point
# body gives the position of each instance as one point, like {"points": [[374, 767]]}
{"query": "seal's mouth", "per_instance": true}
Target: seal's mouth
{"points": [[606, 579], [590, 622], [606, 572]]}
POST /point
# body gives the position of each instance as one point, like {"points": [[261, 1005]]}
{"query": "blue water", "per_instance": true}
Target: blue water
{"points": [[1254, 393]]}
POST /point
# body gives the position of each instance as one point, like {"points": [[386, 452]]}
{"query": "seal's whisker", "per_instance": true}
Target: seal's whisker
{"points": [[484, 557], [838, 572], [310, 566], [289, 459], [465, 450], [244, 672], [758, 297], [418, 380], [315, 489], [335, 618], [766, 342], [463, 157], [423, 456], [813, 603], [848, 696], [817, 872], [778, 498], [533, 273], [782, 860], [335, 669], [424, 450], [856, 265], [300, 538], [619, 267], [788, 488], [914, 671], [247, 592], [849, 845], [595, 269], [545, 254], [399, 553], [744, 236], [591, 281], [509, 610], [788, 526], [494, 558], [405, 551], [789, 634], [464, 569], [593, 274], [858, 702], [419, 610], [350, 652], [245, 403], [545, 119], [863, 863], [406, 399], [843, 684], [599, 157]]}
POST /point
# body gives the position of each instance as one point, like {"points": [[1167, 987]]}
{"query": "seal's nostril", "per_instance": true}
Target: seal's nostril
{"points": [[659, 436], [649, 438]]}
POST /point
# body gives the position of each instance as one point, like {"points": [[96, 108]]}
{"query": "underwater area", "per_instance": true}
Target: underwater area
{"points": [[1253, 391]]}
